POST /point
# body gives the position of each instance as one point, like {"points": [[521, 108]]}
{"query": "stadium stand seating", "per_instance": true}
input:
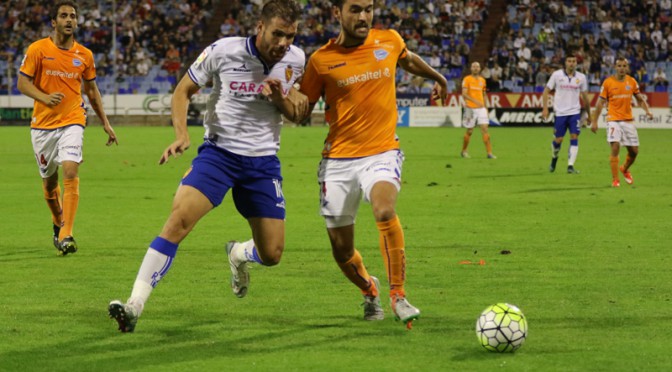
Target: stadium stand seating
{"points": [[443, 32]]}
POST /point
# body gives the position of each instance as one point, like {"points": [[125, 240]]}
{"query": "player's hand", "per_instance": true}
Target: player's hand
{"points": [[649, 115], [273, 90], [544, 113], [300, 103], [175, 149], [439, 93], [54, 99], [593, 126], [111, 136]]}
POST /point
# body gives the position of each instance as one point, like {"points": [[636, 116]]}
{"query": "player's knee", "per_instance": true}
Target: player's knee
{"points": [[177, 227], [271, 254], [383, 213], [69, 174]]}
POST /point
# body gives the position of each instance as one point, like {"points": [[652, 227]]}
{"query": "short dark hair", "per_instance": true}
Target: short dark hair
{"points": [[288, 10], [338, 3], [58, 5]]}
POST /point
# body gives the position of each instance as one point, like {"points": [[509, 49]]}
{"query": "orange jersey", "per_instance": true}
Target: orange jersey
{"points": [[358, 85], [58, 70], [619, 97], [475, 89]]}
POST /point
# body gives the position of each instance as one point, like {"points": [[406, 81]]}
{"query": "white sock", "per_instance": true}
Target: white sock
{"points": [[573, 152], [244, 252], [154, 266]]}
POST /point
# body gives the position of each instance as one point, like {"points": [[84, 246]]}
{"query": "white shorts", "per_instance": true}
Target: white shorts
{"points": [[53, 147], [623, 132], [473, 116], [343, 183]]}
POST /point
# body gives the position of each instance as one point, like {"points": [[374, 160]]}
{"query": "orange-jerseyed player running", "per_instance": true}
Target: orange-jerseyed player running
{"points": [[355, 73], [475, 110], [617, 92], [52, 73]]}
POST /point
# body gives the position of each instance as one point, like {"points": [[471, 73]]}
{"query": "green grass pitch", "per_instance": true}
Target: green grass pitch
{"points": [[590, 266]]}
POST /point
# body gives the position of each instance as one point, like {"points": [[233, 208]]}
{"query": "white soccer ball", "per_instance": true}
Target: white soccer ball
{"points": [[501, 328]]}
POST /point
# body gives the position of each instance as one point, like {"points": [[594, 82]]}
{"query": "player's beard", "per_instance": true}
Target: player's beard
{"points": [[67, 32], [353, 35]]}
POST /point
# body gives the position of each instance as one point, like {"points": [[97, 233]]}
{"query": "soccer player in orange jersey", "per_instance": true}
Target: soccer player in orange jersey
{"points": [[52, 73], [355, 73], [617, 92], [475, 110]]}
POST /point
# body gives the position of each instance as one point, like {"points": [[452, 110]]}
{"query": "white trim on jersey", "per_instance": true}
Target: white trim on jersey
{"points": [[566, 100], [238, 117]]}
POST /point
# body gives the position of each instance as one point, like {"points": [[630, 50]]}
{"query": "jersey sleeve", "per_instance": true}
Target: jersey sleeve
{"points": [[203, 67], [403, 52], [90, 71], [312, 85], [30, 62], [551, 82], [604, 89], [635, 90]]}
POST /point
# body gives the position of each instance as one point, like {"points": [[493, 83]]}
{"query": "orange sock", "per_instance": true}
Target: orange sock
{"points": [[53, 199], [355, 271], [613, 162], [70, 203], [465, 141], [486, 141], [392, 248]]}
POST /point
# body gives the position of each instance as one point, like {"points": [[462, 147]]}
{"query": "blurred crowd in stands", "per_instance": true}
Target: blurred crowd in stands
{"points": [[441, 31], [153, 38], [156, 39], [535, 36]]}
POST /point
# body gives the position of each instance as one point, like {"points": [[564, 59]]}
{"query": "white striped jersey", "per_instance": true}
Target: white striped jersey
{"points": [[238, 117], [566, 100]]}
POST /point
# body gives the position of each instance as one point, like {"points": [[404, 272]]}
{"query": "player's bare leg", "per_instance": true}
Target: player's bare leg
{"points": [[189, 206], [629, 160], [265, 248], [392, 247], [486, 141], [613, 164], [70, 204], [52, 195], [352, 265]]}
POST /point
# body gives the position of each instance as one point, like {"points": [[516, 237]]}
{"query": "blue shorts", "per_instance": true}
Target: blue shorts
{"points": [[571, 122], [256, 181]]}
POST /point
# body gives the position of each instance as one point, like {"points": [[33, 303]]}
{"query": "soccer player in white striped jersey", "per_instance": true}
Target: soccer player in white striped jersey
{"points": [[569, 86], [252, 85]]}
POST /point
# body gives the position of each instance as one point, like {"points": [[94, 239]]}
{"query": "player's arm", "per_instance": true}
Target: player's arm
{"points": [[179, 105], [586, 104], [417, 66], [26, 86], [96, 101], [596, 114], [544, 103], [294, 105], [643, 104], [467, 97]]}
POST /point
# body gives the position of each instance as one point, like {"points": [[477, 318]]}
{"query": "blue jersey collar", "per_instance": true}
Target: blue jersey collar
{"points": [[253, 51]]}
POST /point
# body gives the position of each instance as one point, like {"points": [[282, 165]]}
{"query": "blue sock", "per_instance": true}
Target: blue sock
{"points": [[164, 246], [556, 148], [254, 257], [574, 142]]}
